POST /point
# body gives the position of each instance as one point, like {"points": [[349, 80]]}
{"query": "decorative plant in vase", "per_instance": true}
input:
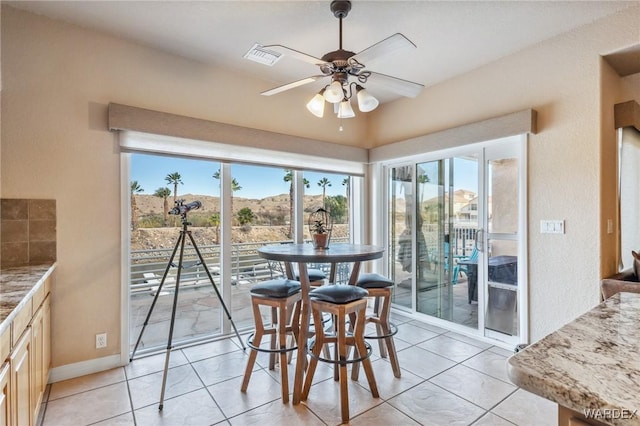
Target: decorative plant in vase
{"points": [[320, 226]]}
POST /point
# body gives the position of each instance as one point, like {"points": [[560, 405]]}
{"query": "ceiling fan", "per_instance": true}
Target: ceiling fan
{"points": [[346, 69]]}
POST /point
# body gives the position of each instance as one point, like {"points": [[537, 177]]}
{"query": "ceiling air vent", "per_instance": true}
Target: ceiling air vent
{"points": [[259, 54]]}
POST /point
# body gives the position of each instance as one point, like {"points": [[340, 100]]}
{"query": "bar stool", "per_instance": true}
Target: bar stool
{"points": [[283, 296], [340, 301], [380, 289], [316, 277]]}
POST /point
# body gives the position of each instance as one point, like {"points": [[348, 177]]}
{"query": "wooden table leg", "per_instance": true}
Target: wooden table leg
{"points": [[302, 337]]}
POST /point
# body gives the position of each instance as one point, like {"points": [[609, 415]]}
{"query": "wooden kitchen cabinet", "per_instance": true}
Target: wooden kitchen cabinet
{"points": [[21, 380], [24, 371], [38, 343], [5, 412]]}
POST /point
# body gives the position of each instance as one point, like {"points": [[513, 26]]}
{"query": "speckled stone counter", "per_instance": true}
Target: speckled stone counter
{"points": [[16, 285], [592, 363]]}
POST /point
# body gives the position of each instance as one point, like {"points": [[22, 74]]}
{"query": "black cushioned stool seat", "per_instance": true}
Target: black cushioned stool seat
{"points": [[373, 280], [276, 288], [283, 297], [340, 301], [338, 293], [316, 277], [380, 288]]}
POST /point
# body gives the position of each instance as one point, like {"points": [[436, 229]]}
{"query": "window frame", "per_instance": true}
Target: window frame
{"points": [[134, 142]]}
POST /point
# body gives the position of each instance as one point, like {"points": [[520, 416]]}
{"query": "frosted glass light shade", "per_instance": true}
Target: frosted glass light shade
{"points": [[366, 102], [334, 92], [345, 110], [316, 105]]}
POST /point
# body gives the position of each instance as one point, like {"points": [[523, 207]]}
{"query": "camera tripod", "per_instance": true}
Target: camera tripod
{"points": [[180, 243]]}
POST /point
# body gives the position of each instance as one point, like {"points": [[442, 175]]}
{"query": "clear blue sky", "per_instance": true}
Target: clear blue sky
{"points": [[197, 177]]}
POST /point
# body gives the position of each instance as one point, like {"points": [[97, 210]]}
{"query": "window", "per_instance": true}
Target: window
{"points": [[261, 211]]}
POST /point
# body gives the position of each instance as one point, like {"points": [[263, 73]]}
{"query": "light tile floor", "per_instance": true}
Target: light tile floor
{"points": [[447, 379]]}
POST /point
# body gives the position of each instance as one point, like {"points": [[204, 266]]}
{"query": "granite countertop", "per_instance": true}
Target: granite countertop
{"points": [[591, 363], [16, 285]]}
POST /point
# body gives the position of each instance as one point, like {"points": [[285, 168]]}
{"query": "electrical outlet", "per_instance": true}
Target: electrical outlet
{"points": [[101, 340]]}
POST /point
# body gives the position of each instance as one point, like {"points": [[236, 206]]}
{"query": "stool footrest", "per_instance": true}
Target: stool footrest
{"points": [[271, 351], [337, 361], [393, 330]]}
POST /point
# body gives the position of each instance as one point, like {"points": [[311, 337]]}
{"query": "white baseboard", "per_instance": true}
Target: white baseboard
{"points": [[82, 368]]}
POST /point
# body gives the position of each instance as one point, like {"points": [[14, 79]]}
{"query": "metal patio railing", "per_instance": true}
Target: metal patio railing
{"points": [[148, 266]]}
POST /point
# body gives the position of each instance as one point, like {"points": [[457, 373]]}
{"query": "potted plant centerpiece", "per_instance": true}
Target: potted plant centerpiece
{"points": [[320, 226]]}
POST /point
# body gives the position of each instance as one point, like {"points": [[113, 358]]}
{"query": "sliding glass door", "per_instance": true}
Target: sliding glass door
{"points": [[433, 213], [455, 237], [447, 220]]}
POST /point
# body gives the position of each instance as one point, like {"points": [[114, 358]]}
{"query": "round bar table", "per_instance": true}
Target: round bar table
{"points": [[301, 254]]}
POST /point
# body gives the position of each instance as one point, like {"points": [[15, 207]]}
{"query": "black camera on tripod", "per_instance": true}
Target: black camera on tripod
{"points": [[182, 209]]}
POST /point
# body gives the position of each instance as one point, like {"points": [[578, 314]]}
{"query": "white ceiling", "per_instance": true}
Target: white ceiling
{"points": [[452, 37]]}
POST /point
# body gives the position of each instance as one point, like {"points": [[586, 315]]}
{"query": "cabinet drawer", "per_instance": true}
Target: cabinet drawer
{"points": [[5, 344], [21, 321]]}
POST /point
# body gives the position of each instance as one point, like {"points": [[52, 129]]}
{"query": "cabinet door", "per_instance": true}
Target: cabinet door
{"points": [[21, 380], [46, 337], [5, 412], [37, 358]]}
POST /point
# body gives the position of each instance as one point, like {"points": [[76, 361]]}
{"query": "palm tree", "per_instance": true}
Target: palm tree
{"points": [[214, 219], [324, 182], [235, 186], [422, 179], [135, 189], [347, 183], [246, 216], [174, 179], [288, 177], [164, 193]]}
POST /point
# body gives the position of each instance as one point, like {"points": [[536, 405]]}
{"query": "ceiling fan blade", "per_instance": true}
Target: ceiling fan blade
{"points": [[292, 85], [295, 54], [388, 45], [397, 85]]}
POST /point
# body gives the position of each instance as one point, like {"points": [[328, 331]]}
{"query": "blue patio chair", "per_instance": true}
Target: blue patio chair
{"points": [[465, 268], [457, 268]]}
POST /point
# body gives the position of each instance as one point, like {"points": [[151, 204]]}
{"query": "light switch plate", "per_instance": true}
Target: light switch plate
{"points": [[552, 226]]}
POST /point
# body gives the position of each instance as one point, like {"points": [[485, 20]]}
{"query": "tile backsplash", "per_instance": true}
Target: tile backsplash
{"points": [[27, 232]]}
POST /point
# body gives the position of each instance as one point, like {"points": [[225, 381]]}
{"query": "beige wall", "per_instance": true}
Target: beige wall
{"points": [[631, 86], [58, 78]]}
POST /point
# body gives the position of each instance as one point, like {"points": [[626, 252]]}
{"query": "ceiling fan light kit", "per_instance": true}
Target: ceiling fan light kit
{"points": [[341, 66]]}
